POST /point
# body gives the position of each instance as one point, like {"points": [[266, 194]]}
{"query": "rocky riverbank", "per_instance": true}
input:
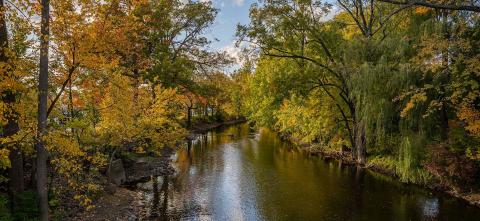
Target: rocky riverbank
{"points": [[120, 200]]}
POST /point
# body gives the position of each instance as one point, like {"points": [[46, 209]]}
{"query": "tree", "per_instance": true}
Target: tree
{"points": [[9, 98], [271, 31], [467, 6], [176, 44], [42, 154]]}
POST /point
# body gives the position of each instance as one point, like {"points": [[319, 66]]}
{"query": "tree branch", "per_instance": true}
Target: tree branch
{"points": [[471, 8], [64, 85]]}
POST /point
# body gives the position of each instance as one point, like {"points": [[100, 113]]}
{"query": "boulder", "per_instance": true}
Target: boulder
{"points": [[141, 169], [116, 173]]}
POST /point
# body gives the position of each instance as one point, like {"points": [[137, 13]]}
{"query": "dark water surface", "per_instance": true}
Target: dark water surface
{"points": [[241, 174]]}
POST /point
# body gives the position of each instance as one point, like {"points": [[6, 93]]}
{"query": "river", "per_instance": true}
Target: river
{"points": [[242, 174]]}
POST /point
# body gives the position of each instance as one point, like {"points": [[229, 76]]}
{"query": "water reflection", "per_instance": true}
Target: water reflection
{"points": [[159, 187], [242, 174], [430, 207]]}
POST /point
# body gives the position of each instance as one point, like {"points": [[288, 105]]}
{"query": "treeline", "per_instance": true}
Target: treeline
{"points": [[84, 81], [394, 85]]}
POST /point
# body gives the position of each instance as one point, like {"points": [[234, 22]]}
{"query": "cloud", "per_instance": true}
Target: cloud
{"points": [[238, 53], [335, 10], [232, 51], [238, 2], [186, 1]]}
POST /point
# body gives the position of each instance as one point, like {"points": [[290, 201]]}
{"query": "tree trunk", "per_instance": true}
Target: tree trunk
{"points": [[360, 144], [445, 79], [15, 172], [16, 183], [352, 129], [70, 107], [359, 149], [42, 188], [136, 85], [189, 117]]}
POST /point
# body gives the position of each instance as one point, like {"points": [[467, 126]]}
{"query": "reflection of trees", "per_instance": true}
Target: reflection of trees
{"points": [[156, 198], [160, 195], [193, 162], [283, 181], [164, 190]]}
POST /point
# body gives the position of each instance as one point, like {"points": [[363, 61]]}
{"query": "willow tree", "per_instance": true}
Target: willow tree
{"points": [[448, 91], [355, 46], [296, 30]]}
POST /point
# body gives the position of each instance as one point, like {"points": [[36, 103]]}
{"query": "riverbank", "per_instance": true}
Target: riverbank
{"points": [[128, 202], [203, 127], [121, 201], [123, 204], [254, 173], [471, 198]]}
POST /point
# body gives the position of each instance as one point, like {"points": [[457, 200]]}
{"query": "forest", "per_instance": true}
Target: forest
{"points": [[389, 85]]}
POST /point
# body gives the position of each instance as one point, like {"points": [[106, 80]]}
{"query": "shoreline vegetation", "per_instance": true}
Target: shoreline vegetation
{"points": [[206, 126], [434, 184]]}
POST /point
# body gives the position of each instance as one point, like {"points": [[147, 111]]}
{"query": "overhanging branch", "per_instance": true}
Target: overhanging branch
{"points": [[471, 8]]}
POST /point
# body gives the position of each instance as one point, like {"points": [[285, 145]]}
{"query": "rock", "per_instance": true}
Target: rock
{"points": [[110, 188], [141, 169], [191, 137], [132, 218], [148, 186], [116, 173]]}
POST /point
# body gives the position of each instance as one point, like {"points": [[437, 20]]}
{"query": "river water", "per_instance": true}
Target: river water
{"points": [[242, 174]]}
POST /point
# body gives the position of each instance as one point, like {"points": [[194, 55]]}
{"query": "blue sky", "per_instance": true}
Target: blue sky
{"points": [[231, 12]]}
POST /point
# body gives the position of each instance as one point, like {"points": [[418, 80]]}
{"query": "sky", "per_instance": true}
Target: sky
{"points": [[231, 12]]}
